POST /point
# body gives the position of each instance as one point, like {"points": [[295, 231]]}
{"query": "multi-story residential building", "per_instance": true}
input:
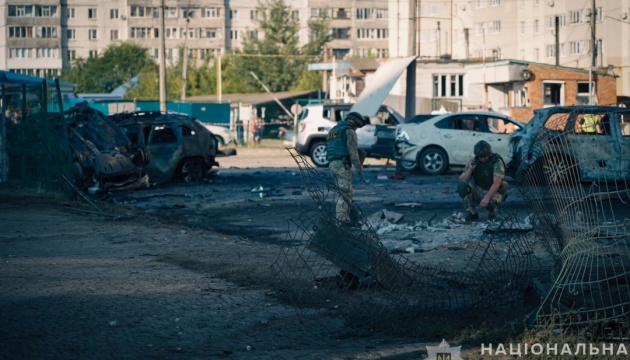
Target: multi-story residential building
{"points": [[43, 37]]}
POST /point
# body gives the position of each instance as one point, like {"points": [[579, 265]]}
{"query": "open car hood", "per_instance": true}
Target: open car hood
{"points": [[380, 85]]}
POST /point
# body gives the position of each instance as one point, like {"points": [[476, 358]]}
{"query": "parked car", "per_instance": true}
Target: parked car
{"points": [[448, 140], [555, 146], [314, 122], [386, 137], [179, 147], [104, 158], [222, 134]]}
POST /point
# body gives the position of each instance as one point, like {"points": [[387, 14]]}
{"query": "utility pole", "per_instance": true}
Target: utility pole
{"points": [[413, 28], [185, 60], [162, 54], [557, 27], [593, 35]]}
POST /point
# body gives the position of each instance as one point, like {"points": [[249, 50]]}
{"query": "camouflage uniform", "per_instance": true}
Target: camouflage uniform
{"points": [[473, 192], [341, 167]]}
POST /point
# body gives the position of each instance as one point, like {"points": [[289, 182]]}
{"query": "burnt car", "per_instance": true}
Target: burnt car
{"points": [[555, 148], [179, 147], [104, 159]]}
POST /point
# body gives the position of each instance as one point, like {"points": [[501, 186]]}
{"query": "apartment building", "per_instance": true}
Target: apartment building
{"points": [[43, 37]]}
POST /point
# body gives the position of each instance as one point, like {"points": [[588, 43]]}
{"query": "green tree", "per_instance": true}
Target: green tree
{"points": [[113, 68]]}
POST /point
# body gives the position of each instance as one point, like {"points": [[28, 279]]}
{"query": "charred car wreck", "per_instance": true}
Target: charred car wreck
{"points": [[179, 147], [104, 159]]}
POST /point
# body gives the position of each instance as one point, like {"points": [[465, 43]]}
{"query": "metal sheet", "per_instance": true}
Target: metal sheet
{"points": [[381, 84]]}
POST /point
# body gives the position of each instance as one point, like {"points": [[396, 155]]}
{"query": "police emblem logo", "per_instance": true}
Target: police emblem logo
{"points": [[444, 352]]}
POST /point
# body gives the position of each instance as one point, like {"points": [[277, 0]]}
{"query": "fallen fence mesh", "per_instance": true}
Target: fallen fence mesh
{"points": [[347, 271], [577, 183]]}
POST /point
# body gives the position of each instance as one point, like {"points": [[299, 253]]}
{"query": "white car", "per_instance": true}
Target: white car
{"points": [[316, 120], [221, 133], [446, 140]]}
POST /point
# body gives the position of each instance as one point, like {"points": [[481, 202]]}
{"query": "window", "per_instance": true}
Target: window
{"points": [[47, 32], [46, 53], [429, 9], [381, 14], [317, 12], [45, 11], [91, 13], [92, 34], [170, 13], [211, 33], [211, 13], [599, 15], [253, 34], [382, 53], [72, 54], [19, 53], [340, 14], [495, 2], [480, 4], [93, 54], [576, 47], [582, 97], [479, 31], [341, 33], [70, 13], [551, 51], [234, 34], [536, 26], [233, 14], [551, 21], [72, 34], [500, 126], [495, 26], [295, 14], [113, 35], [364, 13], [139, 11], [552, 94], [448, 85], [576, 16], [172, 33], [113, 13], [140, 33], [253, 14], [163, 135], [21, 32]]}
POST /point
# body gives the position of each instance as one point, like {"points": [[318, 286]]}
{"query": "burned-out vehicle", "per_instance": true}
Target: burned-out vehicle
{"points": [[179, 147], [572, 144], [104, 159]]}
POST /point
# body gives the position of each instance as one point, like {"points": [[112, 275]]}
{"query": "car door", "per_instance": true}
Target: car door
{"points": [[164, 145], [496, 130], [623, 119], [459, 134]]}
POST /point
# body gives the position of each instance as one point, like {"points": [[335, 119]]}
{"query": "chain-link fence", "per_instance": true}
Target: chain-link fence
{"points": [[35, 150]]}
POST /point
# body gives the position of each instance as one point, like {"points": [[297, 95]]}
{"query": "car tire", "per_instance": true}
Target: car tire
{"points": [[192, 170], [318, 154], [433, 161], [407, 165]]}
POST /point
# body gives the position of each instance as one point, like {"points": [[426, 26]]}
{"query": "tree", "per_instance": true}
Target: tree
{"points": [[113, 68], [275, 57]]}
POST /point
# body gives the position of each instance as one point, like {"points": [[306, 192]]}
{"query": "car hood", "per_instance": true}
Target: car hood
{"points": [[380, 85]]}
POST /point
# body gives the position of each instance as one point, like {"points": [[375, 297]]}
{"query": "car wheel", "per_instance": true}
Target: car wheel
{"points": [[407, 165], [192, 170], [318, 154], [219, 140], [433, 161]]}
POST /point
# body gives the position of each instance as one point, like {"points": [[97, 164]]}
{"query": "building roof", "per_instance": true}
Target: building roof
{"points": [[251, 99]]}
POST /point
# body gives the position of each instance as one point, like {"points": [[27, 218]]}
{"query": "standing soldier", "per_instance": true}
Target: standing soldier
{"points": [[488, 187], [342, 152]]}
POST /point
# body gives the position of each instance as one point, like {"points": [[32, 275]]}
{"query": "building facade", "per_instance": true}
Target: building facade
{"points": [[43, 37]]}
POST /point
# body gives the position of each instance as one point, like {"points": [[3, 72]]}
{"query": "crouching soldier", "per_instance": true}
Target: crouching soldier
{"points": [[488, 187]]}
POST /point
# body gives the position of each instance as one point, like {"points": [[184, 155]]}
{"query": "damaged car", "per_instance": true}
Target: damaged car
{"points": [[104, 159], [556, 147], [179, 147], [448, 140]]}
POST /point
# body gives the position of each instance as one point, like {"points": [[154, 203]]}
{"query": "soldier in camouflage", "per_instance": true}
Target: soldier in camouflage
{"points": [[343, 153], [488, 186]]}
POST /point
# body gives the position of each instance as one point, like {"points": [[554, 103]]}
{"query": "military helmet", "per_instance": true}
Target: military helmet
{"points": [[357, 118], [482, 148]]}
